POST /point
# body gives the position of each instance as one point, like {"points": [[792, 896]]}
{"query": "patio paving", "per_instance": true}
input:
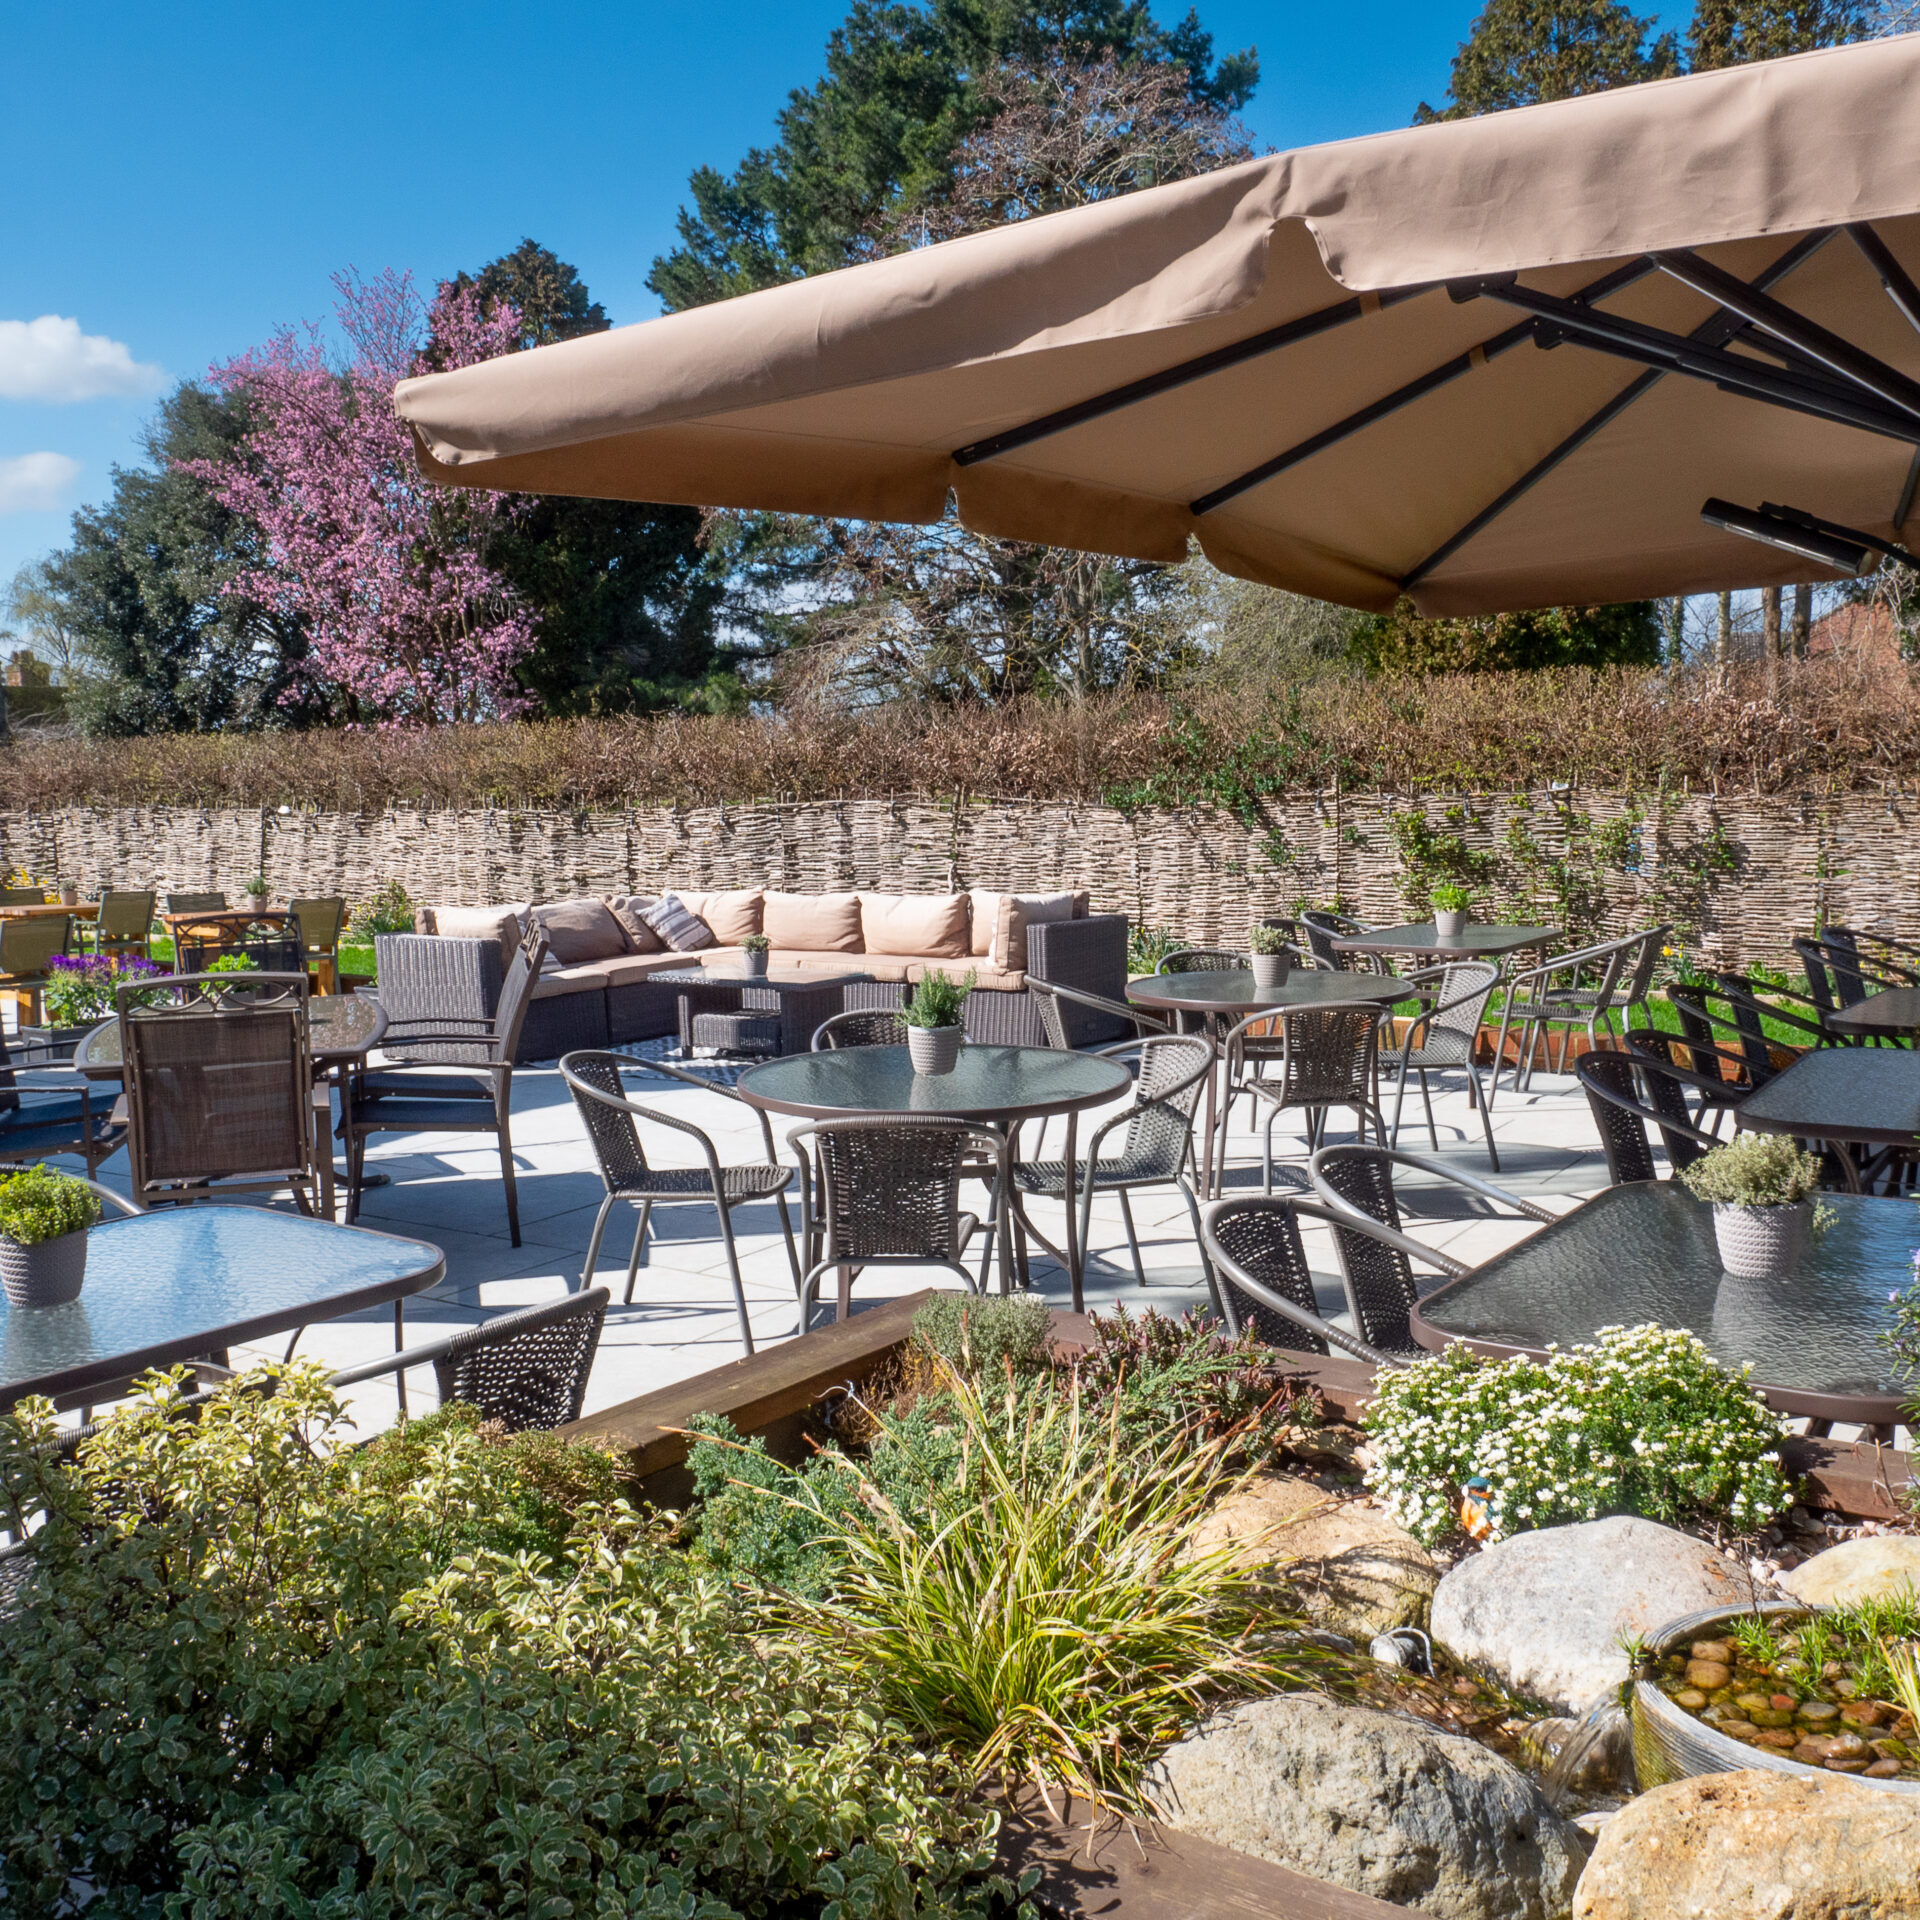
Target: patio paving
{"points": [[446, 1189]]}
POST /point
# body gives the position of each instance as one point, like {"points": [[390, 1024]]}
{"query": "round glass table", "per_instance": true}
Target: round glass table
{"points": [[989, 1086]]}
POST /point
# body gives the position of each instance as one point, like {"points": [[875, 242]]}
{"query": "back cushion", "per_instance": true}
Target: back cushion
{"points": [[579, 930], [813, 922], [1032, 910], [678, 925], [927, 925], [989, 931], [500, 924], [628, 908], [732, 915]]}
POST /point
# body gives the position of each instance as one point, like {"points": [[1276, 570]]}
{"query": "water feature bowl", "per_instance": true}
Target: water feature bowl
{"points": [[1669, 1743]]}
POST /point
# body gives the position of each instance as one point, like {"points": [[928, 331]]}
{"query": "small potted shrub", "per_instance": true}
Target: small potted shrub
{"points": [[256, 890], [755, 947], [932, 1015], [44, 1217], [1450, 904], [69, 893], [1761, 1186], [1272, 961]]}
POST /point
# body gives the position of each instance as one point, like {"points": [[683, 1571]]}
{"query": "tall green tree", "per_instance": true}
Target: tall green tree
{"points": [[145, 589], [1728, 33], [1521, 52], [879, 131], [624, 596]]}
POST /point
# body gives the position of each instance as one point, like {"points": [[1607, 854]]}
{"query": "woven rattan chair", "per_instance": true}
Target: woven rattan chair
{"points": [[27, 947], [1202, 960], [1305, 1058], [609, 1117], [1444, 1035], [1628, 1091], [319, 923], [270, 940], [526, 1370], [124, 924], [1750, 1004], [220, 1093], [882, 1027], [1320, 927], [1253, 1243], [1055, 1003], [51, 1112], [1156, 1147], [196, 903], [889, 1196], [1377, 1256], [467, 1090]]}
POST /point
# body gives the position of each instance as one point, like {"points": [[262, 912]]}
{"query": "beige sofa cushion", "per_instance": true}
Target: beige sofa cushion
{"points": [[476, 923], [580, 930], [986, 976], [812, 922], [627, 908], [924, 926], [1032, 910], [876, 966], [732, 914]]}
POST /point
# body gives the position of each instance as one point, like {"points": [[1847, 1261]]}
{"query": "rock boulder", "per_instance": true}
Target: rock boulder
{"points": [[1866, 1569], [1374, 1802], [1355, 1570], [1757, 1846], [1544, 1612]]}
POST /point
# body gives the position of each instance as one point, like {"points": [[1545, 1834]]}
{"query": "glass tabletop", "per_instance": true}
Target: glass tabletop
{"points": [[189, 1280], [1892, 1010], [1425, 938], [1841, 1093], [1235, 992], [987, 1083], [1646, 1252], [340, 1025]]}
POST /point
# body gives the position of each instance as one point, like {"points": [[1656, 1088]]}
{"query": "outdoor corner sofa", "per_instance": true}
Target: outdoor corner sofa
{"points": [[598, 989]]}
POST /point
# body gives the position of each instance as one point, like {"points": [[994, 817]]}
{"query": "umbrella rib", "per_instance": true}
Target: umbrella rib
{"points": [[1710, 332], [1893, 276]]}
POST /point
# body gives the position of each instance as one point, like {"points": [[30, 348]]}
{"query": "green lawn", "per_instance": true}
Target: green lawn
{"points": [[352, 959]]}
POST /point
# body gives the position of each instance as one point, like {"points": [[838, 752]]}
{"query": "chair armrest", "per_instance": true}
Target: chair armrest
{"points": [[422, 1356], [119, 1200], [1528, 1209]]}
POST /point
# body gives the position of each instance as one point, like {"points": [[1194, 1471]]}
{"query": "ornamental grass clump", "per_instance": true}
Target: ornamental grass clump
{"points": [[1643, 1421]]}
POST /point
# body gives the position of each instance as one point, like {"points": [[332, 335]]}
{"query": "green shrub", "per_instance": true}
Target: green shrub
{"points": [[1262, 938], [38, 1204], [937, 1000], [1642, 1421], [1148, 946], [1754, 1170], [234, 963], [387, 910], [1451, 899], [256, 1675], [985, 1335]]}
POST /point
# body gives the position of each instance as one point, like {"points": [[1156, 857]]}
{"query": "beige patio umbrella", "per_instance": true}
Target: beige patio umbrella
{"points": [[1497, 363]]}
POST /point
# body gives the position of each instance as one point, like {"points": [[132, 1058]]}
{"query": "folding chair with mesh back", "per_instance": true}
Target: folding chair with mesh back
{"points": [[467, 1089], [1615, 1084], [319, 923], [1376, 1253], [124, 923], [219, 1090], [1157, 1150], [23, 896], [610, 1117], [188, 903], [889, 1196], [528, 1371], [1320, 1057]]}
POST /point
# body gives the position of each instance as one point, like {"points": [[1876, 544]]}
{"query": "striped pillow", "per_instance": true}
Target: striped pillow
{"points": [[677, 924]]}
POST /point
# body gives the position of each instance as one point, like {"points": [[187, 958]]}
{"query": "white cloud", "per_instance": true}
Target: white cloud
{"points": [[51, 359], [35, 482]]}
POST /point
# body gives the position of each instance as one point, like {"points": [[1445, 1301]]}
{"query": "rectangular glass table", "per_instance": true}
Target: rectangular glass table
{"points": [[1848, 1097], [191, 1281], [1646, 1252]]}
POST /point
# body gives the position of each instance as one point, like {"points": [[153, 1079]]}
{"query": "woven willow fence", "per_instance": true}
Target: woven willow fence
{"points": [[1739, 875]]}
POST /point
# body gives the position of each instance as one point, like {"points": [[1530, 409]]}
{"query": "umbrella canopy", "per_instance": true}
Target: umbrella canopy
{"points": [[1495, 363]]}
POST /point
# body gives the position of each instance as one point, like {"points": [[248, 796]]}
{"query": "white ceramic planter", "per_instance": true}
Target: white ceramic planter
{"points": [[934, 1049], [1450, 923], [1270, 970], [47, 1275], [1762, 1243]]}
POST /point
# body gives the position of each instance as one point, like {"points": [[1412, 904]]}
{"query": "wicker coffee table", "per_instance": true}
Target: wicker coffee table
{"points": [[768, 1014]]}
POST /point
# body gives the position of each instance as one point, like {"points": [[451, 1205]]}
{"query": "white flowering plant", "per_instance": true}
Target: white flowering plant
{"points": [[1642, 1421]]}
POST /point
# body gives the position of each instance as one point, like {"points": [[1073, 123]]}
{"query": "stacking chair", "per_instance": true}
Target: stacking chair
{"points": [[1635, 988], [1444, 1035], [52, 1113], [1202, 960], [318, 923], [270, 940], [1156, 1149], [23, 896], [889, 1187], [1575, 989], [1750, 1005], [881, 1028], [1321, 927], [1310, 1058], [124, 924], [609, 1116], [467, 1089], [1376, 1254], [1627, 1092], [1726, 1073], [528, 1371], [27, 948], [196, 903], [219, 1091]]}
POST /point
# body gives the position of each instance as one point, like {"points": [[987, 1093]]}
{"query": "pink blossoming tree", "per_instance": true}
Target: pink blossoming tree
{"points": [[407, 624]]}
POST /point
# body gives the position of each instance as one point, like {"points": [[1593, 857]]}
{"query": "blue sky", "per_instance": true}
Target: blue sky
{"points": [[180, 179]]}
